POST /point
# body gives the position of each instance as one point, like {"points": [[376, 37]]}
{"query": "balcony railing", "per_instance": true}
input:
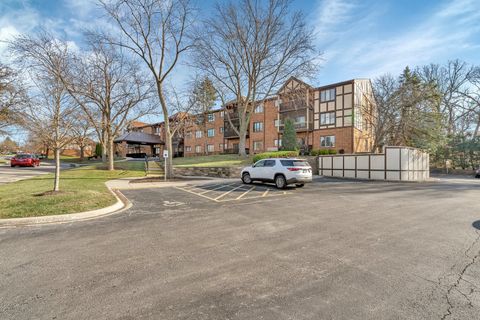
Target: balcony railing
{"points": [[292, 106], [230, 133], [299, 126]]}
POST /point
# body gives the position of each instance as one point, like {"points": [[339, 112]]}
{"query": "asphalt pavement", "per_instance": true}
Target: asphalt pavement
{"points": [[332, 250]]}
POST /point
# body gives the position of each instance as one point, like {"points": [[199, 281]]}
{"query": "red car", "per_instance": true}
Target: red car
{"points": [[25, 160]]}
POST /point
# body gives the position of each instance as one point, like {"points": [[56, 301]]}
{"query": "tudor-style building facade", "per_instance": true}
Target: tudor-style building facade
{"points": [[337, 116]]}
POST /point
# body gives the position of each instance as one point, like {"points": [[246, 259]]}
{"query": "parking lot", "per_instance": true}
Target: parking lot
{"points": [[233, 191], [334, 249]]}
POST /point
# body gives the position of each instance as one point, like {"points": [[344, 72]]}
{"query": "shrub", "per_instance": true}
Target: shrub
{"points": [[98, 149], [276, 154], [289, 137], [321, 152]]}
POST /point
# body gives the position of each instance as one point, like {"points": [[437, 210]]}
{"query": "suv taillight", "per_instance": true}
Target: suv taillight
{"points": [[293, 169]]}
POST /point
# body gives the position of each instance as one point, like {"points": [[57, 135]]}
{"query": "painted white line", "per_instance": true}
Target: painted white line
{"points": [[241, 196], [198, 194], [265, 193], [224, 194], [217, 188]]}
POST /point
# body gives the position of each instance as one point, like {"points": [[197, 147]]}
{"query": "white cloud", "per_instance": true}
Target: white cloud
{"points": [[81, 8], [447, 32]]}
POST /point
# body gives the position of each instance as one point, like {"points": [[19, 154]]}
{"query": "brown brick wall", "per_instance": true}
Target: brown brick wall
{"points": [[217, 140], [346, 136], [343, 138]]}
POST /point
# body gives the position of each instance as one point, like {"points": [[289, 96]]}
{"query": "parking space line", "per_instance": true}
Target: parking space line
{"points": [[265, 193], [195, 193], [217, 188], [228, 192], [241, 196]]}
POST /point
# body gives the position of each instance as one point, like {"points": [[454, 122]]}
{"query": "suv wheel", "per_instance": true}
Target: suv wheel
{"points": [[280, 181], [246, 178]]}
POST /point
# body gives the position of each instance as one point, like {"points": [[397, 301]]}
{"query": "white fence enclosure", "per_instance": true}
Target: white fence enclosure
{"points": [[395, 164]]}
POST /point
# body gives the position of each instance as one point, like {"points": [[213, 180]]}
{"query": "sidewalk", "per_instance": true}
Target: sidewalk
{"points": [[128, 184]]}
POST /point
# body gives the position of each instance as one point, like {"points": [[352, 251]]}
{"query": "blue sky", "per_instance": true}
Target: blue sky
{"points": [[359, 38]]}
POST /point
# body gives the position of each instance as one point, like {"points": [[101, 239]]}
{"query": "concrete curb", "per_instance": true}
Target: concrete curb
{"points": [[114, 186], [122, 204]]}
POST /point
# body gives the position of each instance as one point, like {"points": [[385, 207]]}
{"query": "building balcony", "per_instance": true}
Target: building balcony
{"points": [[229, 133], [292, 106], [299, 126]]}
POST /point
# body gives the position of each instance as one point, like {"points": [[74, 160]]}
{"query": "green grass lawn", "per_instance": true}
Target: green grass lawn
{"points": [[69, 159], [223, 160], [82, 189]]}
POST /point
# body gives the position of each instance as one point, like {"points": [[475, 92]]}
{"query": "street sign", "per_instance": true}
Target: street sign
{"points": [[165, 153]]}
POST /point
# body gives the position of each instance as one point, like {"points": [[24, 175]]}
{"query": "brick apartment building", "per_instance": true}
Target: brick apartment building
{"points": [[337, 116]]}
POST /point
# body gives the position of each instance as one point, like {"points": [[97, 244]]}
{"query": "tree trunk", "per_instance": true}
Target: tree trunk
{"points": [[242, 144], [169, 161], [168, 134], [110, 154], [56, 183], [104, 153], [82, 152], [206, 142]]}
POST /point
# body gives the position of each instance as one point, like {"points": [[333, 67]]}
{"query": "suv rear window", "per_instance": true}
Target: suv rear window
{"points": [[294, 163]]}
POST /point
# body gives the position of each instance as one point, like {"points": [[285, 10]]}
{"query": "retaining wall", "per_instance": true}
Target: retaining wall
{"points": [[219, 172]]}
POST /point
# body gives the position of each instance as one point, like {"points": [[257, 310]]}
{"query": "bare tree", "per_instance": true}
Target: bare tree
{"points": [[384, 89], [250, 47], [82, 132], [473, 96], [12, 97], [111, 90], [51, 117], [155, 31], [451, 82], [49, 112]]}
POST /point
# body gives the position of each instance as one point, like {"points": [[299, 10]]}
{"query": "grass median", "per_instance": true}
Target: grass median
{"points": [[81, 189]]}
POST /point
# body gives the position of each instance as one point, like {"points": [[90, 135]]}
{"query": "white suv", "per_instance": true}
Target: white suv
{"points": [[281, 171]]}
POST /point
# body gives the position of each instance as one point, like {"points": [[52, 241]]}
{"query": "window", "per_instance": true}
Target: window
{"points": [[277, 142], [157, 150], [327, 118], [327, 141], [277, 123], [259, 108], [257, 145], [327, 95], [220, 146], [211, 117], [300, 120], [269, 163], [188, 149], [198, 149], [294, 163], [210, 147], [222, 114], [257, 126], [210, 132], [221, 129], [260, 163], [157, 129], [188, 134], [198, 134]]}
